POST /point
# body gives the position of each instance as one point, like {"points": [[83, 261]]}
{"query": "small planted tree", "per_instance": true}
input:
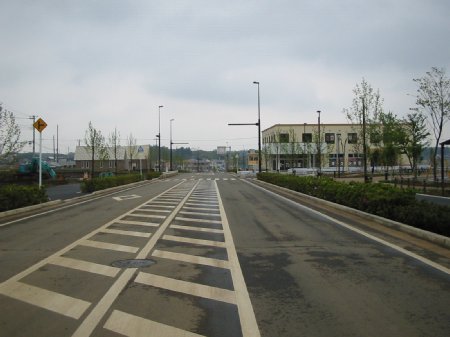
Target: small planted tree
{"points": [[114, 144], [95, 145], [9, 134], [131, 149], [433, 98]]}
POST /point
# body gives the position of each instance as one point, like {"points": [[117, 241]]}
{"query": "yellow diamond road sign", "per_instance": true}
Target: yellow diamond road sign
{"points": [[40, 125]]}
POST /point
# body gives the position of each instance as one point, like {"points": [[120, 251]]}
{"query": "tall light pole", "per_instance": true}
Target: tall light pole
{"points": [[259, 129], [159, 137], [171, 143], [258, 124], [304, 146], [319, 145]]}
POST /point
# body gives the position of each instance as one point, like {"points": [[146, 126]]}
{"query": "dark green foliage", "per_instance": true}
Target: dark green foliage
{"points": [[16, 196], [97, 184], [380, 199]]}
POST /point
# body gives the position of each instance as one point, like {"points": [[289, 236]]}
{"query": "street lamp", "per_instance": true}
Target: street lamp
{"points": [[319, 146], [159, 137], [171, 143], [258, 124], [304, 146], [259, 129]]}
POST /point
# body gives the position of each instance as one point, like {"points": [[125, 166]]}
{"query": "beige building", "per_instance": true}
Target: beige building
{"points": [[128, 159], [287, 146]]}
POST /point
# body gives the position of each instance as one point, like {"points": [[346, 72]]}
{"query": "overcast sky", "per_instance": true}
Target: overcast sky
{"points": [[114, 62]]}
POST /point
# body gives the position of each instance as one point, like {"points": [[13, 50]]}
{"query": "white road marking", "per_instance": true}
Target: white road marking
{"points": [[110, 246], [85, 266], [50, 300], [125, 232], [139, 223], [191, 259], [153, 210], [198, 220], [147, 216], [127, 197], [134, 326], [215, 209], [197, 229], [195, 289], [247, 317], [199, 213], [159, 206], [194, 241], [94, 317]]}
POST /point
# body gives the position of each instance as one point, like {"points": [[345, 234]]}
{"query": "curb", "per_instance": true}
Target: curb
{"points": [[417, 232]]}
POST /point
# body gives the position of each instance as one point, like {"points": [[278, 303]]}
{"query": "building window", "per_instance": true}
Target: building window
{"points": [[352, 138], [86, 164], [101, 164], [355, 160], [329, 138], [284, 137], [307, 138]]}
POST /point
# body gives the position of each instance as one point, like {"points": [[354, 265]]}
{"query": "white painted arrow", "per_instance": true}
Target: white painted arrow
{"points": [[126, 197]]}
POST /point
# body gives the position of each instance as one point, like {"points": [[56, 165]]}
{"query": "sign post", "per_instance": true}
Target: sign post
{"points": [[40, 125]]}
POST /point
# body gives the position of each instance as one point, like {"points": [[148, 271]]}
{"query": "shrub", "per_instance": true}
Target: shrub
{"points": [[380, 199], [16, 196], [97, 184]]}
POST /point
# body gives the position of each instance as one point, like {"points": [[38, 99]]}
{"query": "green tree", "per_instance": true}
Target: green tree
{"points": [[414, 135], [433, 98], [114, 144], [95, 145], [9, 134]]}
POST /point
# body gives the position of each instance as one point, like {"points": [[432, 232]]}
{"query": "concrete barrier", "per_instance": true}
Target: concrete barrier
{"points": [[433, 199]]}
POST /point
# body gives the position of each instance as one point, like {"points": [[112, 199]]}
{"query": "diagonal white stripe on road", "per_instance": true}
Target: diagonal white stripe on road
{"points": [[134, 326], [110, 246], [59, 303], [191, 259], [195, 289], [85, 266], [194, 241]]}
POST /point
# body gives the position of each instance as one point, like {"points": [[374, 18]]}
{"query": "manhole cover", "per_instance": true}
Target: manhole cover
{"points": [[133, 263]]}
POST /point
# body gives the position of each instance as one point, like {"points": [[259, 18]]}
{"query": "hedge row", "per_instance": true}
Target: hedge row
{"points": [[16, 196], [97, 184], [380, 199]]}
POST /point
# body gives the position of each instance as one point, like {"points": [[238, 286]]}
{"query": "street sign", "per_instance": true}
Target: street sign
{"points": [[140, 149], [40, 125]]}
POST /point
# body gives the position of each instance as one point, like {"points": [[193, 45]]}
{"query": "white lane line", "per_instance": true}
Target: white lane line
{"points": [[204, 198], [134, 326], [139, 223], [194, 241], [197, 229], [90, 267], [199, 213], [153, 210], [247, 317], [146, 216], [198, 220], [190, 288], [110, 246], [215, 209], [159, 206], [59, 303], [356, 230], [94, 317], [207, 261], [129, 233]]}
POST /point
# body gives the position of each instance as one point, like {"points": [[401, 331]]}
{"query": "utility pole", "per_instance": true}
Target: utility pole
{"points": [[319, 145], [364, 139], [159, 137], [33, 117]]}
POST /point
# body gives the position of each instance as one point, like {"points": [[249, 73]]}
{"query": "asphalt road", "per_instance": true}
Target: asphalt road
{"points": [[213, 255]]}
